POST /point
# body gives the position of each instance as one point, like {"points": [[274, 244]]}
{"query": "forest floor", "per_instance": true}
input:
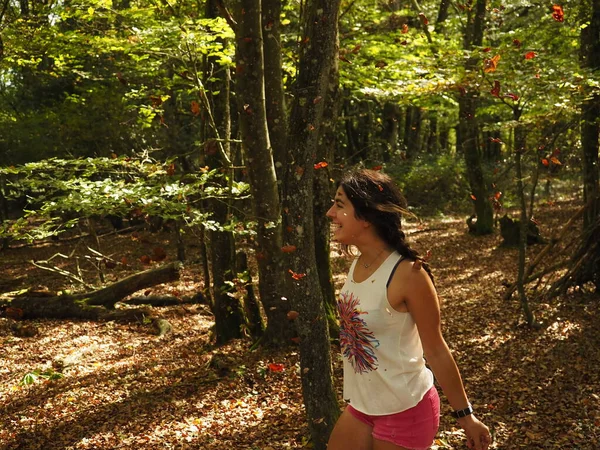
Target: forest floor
{"points": [[123, 387]]}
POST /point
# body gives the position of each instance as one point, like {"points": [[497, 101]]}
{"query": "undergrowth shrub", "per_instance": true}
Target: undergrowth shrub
{"points": [[433, 184]]}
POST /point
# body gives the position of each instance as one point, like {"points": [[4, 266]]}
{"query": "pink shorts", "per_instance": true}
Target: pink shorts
{"points": [[414, 428]]}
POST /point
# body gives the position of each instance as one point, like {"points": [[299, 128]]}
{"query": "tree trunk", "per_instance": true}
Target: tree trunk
{"points": [[275, 100], [261, 171], [92, 305], [590, 126], [523, 227], [320, 48], [324, 192], [228, 310], [468, 131]]}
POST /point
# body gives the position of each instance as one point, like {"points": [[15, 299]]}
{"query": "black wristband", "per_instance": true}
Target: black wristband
{"points": [[463, 412]]}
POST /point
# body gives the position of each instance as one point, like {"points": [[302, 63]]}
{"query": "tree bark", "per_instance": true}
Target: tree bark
{"points": [[468, 129], [258, 156], [227, 309], [319, 49], [590, 117], [92, 305]]}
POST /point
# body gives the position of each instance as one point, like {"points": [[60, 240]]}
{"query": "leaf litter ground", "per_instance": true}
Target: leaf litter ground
{"points": [[126, 388]]}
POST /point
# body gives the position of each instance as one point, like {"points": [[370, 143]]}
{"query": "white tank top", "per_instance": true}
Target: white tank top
{"points": [[384, 369]]}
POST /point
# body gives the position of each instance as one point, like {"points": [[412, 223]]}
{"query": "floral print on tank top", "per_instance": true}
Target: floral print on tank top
{"points": [[357, 342]]}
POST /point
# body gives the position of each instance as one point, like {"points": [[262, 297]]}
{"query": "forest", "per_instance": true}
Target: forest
{"points": [[167, 274]]}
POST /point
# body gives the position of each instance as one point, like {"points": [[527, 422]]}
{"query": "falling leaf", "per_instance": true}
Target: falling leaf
{"points": [[496, 140], [147, 292], [517, 43], [171, 170], [496, 89], [513, 97], [558, 13], [145, 259], [545, 162], [110, 264], [497, 195], [296, 276], [296, 340], [490, 65], [292, 315], [380, 64], [487, 49], [344, 59], [321, 165], [404, 29], [195, 107], [424, 19], [317, 100], [473, 197], [530, 55], [555, 160], [380, 187], [377, 168], [355, 49], [288, 248]]}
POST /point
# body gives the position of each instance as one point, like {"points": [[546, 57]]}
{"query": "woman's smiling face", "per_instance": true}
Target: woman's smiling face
{"points": [[347, 226]]}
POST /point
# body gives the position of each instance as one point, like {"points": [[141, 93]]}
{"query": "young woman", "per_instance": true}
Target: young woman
{"points": [[389, 319]]}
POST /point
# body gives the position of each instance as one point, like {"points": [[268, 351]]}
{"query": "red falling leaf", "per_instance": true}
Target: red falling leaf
{"points": [[296, 276], [555, 160], [487, 49], [156, 101], [355, 49], [305, 40], [377, 168], [404, 43], [380, 187], [317, 100], [124, 261], [557, 13], [247, 40], [289, 229], [517, 43], [321, 165], [310, 127], [344, 59], [380, 64], [424, 19], [195, 107], [513, 97], [404, 29], [171, 170], [145, 259], [248, 109], [496, 89], [299, 171], [530, 55], [292, 315], [147, 292], [545, 162], [496, 140], [473, 197], [110, 264], [555, 152], [260, 255], [497, 195], [534, 220], [295, 340], [276, 367], [121, 79], [490, 65], [288, 248]]}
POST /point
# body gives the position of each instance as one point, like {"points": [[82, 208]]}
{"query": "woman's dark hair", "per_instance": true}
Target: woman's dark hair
{"points": [[376, 199]]}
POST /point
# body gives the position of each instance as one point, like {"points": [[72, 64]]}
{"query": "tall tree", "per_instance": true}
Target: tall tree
{"points": [[590, 117], [258, 156], [319, 50], [468, 128]]}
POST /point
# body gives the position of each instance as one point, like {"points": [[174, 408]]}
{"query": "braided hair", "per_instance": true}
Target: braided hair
{"points": [[376, 199]]}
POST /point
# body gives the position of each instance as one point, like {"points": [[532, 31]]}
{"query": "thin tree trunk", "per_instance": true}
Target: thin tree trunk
{"points": [[320, 48], [258, 157], [228, 310], [523, 228]]}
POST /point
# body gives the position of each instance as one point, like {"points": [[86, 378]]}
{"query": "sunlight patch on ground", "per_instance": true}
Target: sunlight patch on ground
{"points": [[562, 330]]}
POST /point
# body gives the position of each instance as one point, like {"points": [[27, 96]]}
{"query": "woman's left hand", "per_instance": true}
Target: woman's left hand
{"points": [[478, 435]]}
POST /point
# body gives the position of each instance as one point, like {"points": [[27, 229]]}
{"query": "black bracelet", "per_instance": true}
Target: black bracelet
{"points": [[463, 412]]}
